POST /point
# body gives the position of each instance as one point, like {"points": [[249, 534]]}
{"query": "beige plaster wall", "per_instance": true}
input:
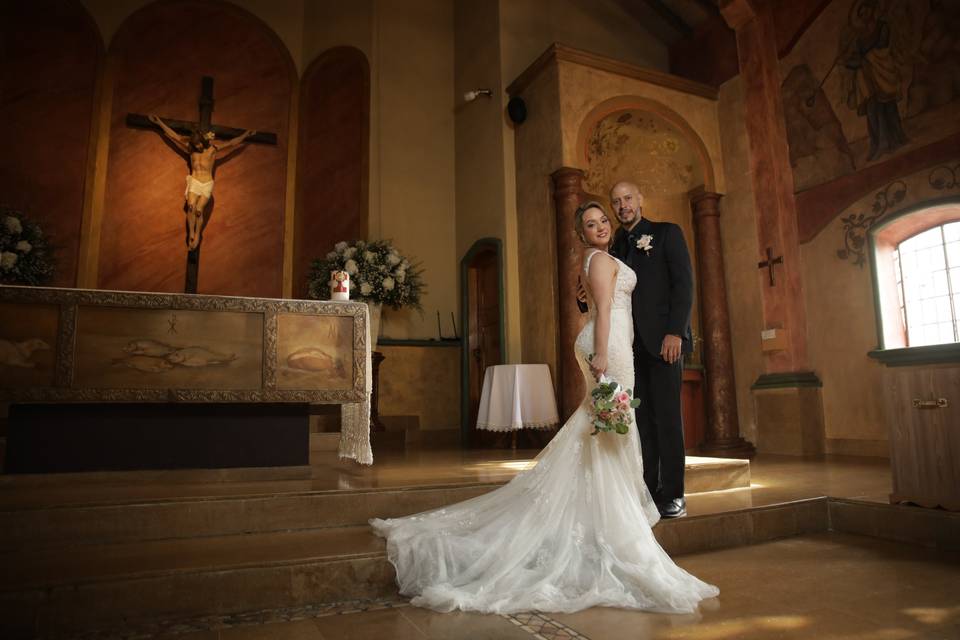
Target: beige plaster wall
{"points": [[539, 152], [841, 320], [414, 78], [422, 382], [739, 234]]}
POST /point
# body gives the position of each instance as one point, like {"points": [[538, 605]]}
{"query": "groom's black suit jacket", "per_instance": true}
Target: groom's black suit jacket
{"points": [[663, 297]]}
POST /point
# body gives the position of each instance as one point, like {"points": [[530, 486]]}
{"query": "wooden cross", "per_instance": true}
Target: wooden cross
{"points": [[184, 127], [769, 263]]}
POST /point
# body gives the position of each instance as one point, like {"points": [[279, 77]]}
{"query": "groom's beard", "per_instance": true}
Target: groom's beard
{"points": [[628, 226]]}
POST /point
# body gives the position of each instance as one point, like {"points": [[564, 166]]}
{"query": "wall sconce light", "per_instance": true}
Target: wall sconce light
{"points": [[470, 96]]}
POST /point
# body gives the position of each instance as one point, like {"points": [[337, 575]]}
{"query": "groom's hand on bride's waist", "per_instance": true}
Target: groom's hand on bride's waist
{"points": [[671, 348]]}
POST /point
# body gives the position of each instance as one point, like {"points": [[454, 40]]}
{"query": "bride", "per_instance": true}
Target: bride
{"points": [[574, 531]]}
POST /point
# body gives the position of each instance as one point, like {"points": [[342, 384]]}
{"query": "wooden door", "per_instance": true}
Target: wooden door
{"points": [[483, 340], [923, 405]]}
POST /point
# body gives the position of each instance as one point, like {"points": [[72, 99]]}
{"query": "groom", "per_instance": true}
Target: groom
{"points": [[662, 301]]}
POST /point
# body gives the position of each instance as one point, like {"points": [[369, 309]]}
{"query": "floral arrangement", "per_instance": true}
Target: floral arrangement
{"points": [[612, 407], [25, 255], [378, 274]]}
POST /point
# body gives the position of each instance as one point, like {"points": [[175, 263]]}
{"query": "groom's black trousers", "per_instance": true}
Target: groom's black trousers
{"points": [[659, 422]]}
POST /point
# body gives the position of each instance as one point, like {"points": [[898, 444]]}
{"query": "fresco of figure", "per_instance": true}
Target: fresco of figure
{"points": [[873, 84]]}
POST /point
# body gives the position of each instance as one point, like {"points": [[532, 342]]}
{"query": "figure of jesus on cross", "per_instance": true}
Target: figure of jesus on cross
{"points": [[203, 151]]}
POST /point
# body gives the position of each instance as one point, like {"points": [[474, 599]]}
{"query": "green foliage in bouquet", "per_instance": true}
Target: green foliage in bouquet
{"points": [[612, 407], [378, 274], [26, 257]]}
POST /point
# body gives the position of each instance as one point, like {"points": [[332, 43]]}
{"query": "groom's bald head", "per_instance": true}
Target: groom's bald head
{"points": [[627, 202]]}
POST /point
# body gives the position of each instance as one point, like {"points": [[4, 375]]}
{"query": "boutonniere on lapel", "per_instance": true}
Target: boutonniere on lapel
{"points": [[645, 244]]}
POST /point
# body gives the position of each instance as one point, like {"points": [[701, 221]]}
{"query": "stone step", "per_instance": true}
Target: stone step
{"points": [[71, 525], [48, 516], [58, 592]]}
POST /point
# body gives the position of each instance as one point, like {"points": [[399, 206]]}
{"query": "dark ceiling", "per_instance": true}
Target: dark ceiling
{"points": [[671, 20]]}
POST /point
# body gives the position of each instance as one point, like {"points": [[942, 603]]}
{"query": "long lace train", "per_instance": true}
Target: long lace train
{"points": [[573, 532]]}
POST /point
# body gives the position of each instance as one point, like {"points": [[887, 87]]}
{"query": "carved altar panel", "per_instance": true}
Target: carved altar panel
{"points": [[68, 345]]}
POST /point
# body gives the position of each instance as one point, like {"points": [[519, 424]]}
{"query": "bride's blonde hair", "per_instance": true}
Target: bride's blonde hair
{"points": [[578, 216]]}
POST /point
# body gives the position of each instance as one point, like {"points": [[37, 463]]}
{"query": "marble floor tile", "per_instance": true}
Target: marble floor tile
{"points": [[463, 626], [369, 625]]}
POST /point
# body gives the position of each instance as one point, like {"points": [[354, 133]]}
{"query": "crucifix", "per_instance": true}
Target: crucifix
{"points": [[197, 140], [769, 263]]}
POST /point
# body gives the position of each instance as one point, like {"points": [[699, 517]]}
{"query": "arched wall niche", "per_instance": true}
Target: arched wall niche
{"points": [[333, 157], [643, 141], [156, 63], [670, 125], [52, 53]]}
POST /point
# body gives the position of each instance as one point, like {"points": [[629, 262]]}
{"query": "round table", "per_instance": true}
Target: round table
{"points": [[517, 396]]}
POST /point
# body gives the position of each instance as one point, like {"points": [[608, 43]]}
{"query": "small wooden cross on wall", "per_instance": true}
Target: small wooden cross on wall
{"points": [[769, 263], [186, 128]]}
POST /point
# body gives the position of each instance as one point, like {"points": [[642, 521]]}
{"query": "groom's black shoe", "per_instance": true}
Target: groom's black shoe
{"points": [[673, 508]]}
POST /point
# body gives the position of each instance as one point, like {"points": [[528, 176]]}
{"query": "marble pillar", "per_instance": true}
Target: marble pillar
{"points": [[567, 196], [722, 432]]}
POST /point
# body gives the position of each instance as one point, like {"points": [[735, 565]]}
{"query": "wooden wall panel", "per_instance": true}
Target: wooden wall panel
{"points": [[48, 69], [159, 55], [332, 167]]}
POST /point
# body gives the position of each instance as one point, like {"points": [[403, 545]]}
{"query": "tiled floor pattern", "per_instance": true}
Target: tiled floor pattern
{"points": [[823, 586]]}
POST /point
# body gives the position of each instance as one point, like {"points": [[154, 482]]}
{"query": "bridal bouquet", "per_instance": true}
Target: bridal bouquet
{"points": [[25, 255], [612, 407], [378, 274]]}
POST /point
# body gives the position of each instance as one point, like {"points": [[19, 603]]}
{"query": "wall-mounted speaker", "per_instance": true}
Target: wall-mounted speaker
{"points": [[517, 110]]}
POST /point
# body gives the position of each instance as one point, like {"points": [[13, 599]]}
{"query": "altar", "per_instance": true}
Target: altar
{"points": [[108, 380]]}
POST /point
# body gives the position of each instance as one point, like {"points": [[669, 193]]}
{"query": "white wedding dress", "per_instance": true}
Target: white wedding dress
{"points": [[571, 533]]}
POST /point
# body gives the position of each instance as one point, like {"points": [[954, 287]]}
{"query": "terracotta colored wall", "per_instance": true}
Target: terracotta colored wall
{"points": [[158, 69], [332, 163], [50, 52]]}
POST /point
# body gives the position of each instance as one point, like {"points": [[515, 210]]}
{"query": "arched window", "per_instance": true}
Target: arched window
{"points": [[927, 271], [915, 257]]}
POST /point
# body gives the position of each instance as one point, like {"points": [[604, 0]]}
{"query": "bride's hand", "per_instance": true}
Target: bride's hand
{"points": [[598, 365]]}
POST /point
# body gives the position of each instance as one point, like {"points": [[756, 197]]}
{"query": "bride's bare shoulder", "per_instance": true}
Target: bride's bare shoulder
{"points": [[596, 259]]}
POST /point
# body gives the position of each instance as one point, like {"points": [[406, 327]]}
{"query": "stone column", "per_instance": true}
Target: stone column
{"points": [[722, 431], [567, 194]]}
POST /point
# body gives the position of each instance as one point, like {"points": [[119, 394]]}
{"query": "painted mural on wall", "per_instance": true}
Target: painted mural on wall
{"points": [[638, 145], [870, 79]]}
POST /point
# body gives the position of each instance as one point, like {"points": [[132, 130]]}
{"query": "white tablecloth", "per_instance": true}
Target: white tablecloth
{"points": [[517, 396]]}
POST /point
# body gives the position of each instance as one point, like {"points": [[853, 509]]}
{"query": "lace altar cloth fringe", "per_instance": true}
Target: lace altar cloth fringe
{"points": [[355, 417]]}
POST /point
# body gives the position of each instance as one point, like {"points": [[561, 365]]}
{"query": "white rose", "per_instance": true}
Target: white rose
{"points": [[8, 259], [331, 255], [13, 224], [369, 256], [405, 265], [340, 246], [365, 289], [393, 259], [350, 267], [388, 284], [349, 253], [361, 244], [401, 275], [24, 247]]}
